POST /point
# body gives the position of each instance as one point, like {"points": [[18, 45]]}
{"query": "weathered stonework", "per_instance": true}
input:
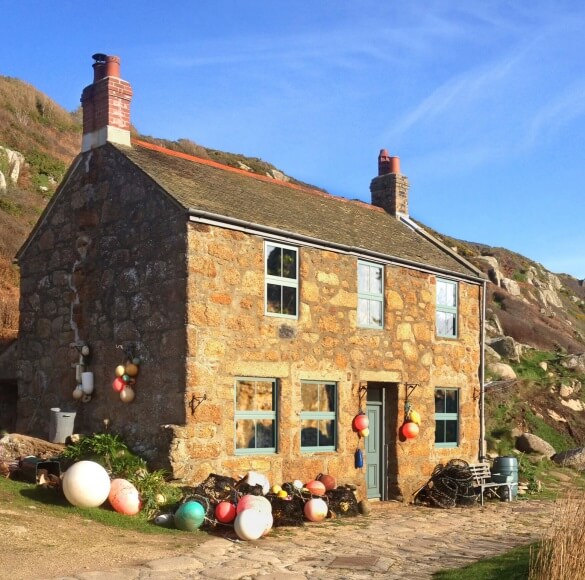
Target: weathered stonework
{"points": [[115, 262]]}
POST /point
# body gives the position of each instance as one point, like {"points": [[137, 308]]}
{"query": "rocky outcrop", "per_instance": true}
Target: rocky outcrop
{"points": [[529, 443], [506, 347], [574, 458], [575, 362], [510, 286], [493, 268], [11, 164]]}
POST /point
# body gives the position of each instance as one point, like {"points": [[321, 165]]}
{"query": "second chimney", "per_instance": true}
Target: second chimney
{"points": [[390, 188], [106, 105]]}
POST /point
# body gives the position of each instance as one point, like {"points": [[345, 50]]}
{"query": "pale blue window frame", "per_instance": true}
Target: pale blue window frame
{"points": [[325, 415], [281, 281], [446, 418], [370, 299], [447, 323], [258, 417]]}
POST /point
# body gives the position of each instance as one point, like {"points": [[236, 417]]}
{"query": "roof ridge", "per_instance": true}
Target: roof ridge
{"points": [[245, 173]]}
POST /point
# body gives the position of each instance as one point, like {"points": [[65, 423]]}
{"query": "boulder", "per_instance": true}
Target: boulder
{"points": [[574, 458], [510, 286], [491, 355], [529, 443], [506, 347], [501, 370], [574, 404]]}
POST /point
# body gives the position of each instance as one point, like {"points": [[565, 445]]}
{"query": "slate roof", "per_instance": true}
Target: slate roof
{"points": [[202, 185]]}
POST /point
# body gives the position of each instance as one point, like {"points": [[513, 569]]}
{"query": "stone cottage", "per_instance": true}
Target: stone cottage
{"points": [[265, 315]]}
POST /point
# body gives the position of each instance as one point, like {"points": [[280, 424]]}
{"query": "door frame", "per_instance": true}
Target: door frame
{"points": [[383, 454]]}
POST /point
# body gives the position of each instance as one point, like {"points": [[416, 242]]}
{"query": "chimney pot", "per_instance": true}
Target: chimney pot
{"points": [[387, 164]]}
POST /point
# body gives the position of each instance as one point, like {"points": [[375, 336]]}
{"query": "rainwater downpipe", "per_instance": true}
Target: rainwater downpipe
{"points": [[482, 376]]}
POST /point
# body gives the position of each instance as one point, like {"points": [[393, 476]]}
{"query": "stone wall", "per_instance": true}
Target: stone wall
{"points": [[106, 266], [229, 336]]}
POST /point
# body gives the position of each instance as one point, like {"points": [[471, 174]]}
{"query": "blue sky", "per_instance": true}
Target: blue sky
{"points": [[484, 102]]}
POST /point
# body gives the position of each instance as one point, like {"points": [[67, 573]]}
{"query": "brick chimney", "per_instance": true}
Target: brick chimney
{"points": [[106, 105], [390, 189]]}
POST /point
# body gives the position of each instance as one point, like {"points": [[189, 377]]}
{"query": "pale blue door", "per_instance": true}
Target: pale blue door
{"points": [[374, 464]]}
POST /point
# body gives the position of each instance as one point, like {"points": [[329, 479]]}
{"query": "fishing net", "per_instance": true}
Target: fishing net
{"points": [[342, 502], [450, 485], [287, 512]]}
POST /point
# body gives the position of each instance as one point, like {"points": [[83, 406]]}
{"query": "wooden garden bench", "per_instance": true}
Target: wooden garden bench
{"points": [[482, 479]]}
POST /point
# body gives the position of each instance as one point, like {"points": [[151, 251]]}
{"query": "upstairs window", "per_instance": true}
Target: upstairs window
{"points": [[370, 295], [446, 308], [281, 280], [255, 416], [318, 416], [446, 417]]}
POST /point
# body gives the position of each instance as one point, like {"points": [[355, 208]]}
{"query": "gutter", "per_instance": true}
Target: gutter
{"points": [[210, 218]]}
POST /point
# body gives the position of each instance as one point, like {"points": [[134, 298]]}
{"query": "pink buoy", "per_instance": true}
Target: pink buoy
{"points": [[360, 422], [316, 510], [225, 512], [124, 497], [316, 487], [257, 502]]}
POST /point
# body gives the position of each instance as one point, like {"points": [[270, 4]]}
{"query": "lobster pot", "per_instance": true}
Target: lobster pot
{"points": [[505, 470]]}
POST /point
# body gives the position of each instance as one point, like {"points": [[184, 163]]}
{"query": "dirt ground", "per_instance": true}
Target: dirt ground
{"points": [[34, 544]]}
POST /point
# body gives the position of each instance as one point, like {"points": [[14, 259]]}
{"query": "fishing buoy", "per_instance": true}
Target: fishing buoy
{"points": [[327, 480], [225, 512], [131, 369], [78, 393], [360, 422], [118, 384], [189, 516], [315, 510], [316, 487], [127, 394], [358, 459], [86, 484], [257, 502], [251, 524], [255, 478], [364, 432], [410, 430], [297, 484], [124, 497], [120, 370]]}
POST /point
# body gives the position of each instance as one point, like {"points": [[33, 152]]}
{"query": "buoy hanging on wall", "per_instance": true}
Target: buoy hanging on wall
{"points": [[410, 430], [360, 422]]}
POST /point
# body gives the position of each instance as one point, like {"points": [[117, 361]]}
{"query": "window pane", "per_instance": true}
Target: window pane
{"points": [[446, 293], [264, 397], [446, 323], [451, 401], [265, 433], [309, 433], [326, 432], [289, 263], [310, 396], [363, 278], [439, 401], [327, 398], [439, 431], [375, 313], [450, 431], [273, 261], [289, 300], [245, 396], [273, 298], [245, 434], [363, 312], [375, 280]]}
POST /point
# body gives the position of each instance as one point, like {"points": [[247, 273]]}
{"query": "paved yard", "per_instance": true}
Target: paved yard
{"points": [[392, 542]]}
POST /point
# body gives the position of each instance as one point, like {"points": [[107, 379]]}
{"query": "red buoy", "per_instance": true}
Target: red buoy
{"points": [[315, 487], [410, 430], [360, 422]]}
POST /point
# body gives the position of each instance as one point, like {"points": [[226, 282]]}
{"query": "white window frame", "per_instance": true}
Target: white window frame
{"points": [[281, 280], [371, 296], [446, 309]]}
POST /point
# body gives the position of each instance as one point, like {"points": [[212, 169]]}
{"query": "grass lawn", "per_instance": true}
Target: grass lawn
{"points": [[512, 565], [20, 495]]}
